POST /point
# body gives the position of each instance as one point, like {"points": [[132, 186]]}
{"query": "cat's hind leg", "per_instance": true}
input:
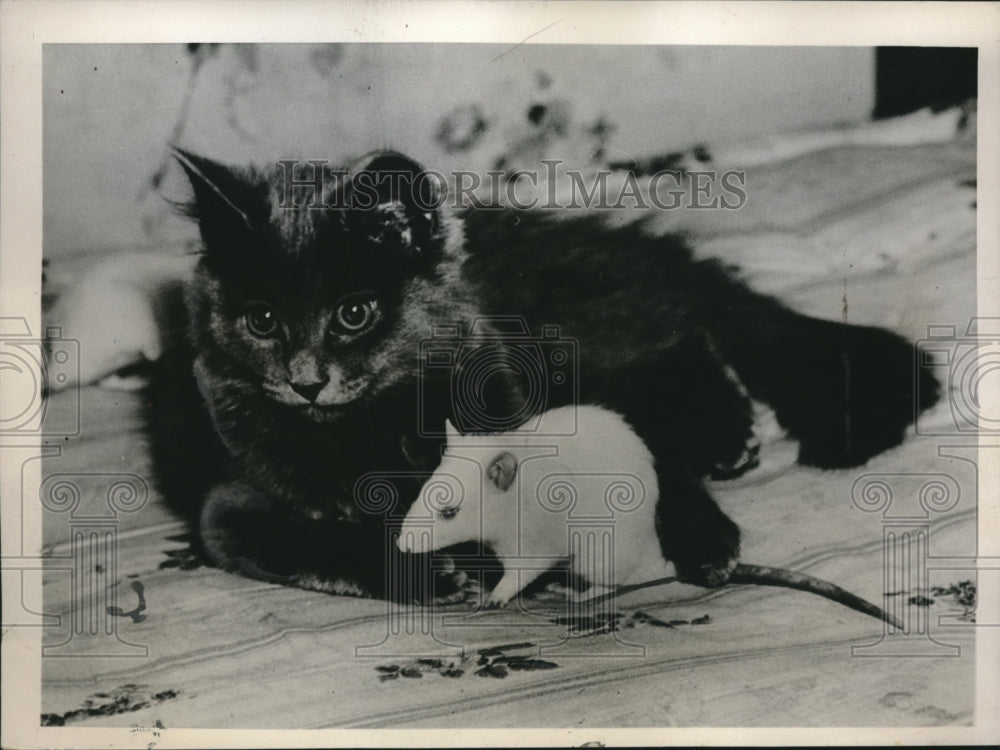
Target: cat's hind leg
{"points": [[845, 392]]}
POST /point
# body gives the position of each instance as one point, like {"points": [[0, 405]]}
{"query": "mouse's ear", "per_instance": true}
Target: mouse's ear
{"points": [[502, 470]]}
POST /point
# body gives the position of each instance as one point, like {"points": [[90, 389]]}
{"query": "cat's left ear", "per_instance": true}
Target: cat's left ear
{"points": [[396, 201]]}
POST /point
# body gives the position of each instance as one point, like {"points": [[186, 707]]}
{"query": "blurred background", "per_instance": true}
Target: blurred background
{"points": [[111, 110]]}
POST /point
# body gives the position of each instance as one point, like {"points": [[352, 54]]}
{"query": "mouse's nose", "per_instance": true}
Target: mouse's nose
{"points": [[403, 542], [309, 391]]}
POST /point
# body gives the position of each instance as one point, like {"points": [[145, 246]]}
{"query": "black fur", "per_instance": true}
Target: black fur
{"points": [[274, 483]]}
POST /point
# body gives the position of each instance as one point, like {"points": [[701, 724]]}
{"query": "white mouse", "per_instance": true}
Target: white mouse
{"points": [[578, 486]]}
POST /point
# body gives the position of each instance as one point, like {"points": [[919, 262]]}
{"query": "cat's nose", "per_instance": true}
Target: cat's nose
{"points": [[309, 391]]}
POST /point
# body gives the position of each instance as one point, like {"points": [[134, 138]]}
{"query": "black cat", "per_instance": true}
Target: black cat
{"points": [[311, 386]]}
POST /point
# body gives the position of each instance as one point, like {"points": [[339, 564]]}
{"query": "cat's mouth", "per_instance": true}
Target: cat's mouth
{"points": [[342, 396], [330, 409]]}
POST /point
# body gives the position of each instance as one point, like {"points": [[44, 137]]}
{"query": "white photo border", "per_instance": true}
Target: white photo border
{"points": [[27, 25]]}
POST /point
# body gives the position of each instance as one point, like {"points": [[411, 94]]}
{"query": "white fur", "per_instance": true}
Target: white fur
{"points": [[111, 311], [526, 525]]}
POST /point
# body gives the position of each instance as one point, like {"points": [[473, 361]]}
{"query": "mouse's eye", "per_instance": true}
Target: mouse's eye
{"points": [[261, 319], [449, 512]]}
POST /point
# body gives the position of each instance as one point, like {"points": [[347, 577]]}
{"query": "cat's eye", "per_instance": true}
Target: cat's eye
{"points": [[356, 314], [449, 512], [261, 319]]}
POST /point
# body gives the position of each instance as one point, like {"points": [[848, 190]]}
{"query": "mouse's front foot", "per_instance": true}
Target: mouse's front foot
{"points": [[496, 602], [505, 590]]}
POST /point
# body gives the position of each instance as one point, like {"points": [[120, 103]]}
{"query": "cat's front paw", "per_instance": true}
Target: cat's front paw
{"points": [[700, 540], [244, 566], [233, 518], [747, 460], [712, 563], [711, 574]]}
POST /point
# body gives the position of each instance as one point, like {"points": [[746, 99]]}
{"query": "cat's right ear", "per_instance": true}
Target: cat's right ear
{"points": [[396, 203], [220, 201]]}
